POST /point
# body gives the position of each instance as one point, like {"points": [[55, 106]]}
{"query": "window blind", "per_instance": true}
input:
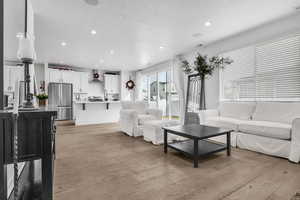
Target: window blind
{"points": [[268, 71], [237, 79], [278, 69]]}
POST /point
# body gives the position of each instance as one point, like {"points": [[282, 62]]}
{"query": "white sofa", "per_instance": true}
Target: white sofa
{"points": [[271, 128], [133, 116]]}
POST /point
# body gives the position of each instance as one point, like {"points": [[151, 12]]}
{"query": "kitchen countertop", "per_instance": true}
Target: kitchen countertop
{"points": [[99, 112], [95, 102], [36, 110]]}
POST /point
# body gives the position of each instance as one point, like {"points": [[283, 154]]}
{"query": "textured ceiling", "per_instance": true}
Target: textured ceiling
{"points": [[133, 34]]}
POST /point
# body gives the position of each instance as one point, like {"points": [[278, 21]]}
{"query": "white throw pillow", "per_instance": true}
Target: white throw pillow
{"points": [[238, 110], [284, 112]]}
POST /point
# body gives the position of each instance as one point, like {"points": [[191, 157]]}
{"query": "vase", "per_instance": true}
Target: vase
{"points": [[202, 105], [42, 102]]}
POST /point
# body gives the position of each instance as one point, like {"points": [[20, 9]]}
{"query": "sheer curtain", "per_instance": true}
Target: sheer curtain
{"points": [[179, 81], [138, 86], [33, 84]]}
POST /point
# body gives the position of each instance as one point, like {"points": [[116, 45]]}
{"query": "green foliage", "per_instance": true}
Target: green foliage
{"points": [[42, 96], [205, 66]]}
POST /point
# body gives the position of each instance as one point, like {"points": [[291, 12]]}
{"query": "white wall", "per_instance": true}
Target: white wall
{"points": [[95, 89], [276, 29], [126, 95], [14, 12]]}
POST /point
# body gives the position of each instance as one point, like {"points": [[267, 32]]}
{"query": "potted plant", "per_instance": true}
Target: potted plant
{"points": [[205, 67], [42, 99]]}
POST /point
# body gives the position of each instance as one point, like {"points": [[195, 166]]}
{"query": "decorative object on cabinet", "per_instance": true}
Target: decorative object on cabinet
{"points": [[42, 86], [204, 67], [42, 99], [130, 84], [26, 54]]}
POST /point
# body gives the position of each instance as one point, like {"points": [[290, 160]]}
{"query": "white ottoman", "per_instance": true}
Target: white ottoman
{"points": [[153, 132]]}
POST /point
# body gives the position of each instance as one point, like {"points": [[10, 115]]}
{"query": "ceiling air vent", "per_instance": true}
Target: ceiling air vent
{"points": [[92, 2]]}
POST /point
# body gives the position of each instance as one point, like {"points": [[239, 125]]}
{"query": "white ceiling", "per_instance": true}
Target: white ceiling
{"points": [[14, 14], [136, 29]]}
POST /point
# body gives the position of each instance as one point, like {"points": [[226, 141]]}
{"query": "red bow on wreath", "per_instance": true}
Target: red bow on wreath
{"points": [[130, 85]]}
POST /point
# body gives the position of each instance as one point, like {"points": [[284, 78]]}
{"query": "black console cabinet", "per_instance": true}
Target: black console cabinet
{"points": [[36, 140]]}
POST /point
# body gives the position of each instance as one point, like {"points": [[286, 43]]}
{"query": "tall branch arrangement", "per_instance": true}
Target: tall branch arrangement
{"points": [[205, 66]]}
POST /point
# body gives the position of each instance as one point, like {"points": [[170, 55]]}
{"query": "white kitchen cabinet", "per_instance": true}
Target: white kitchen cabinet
{"points": [[76, 82], [67, 76], [112, 83], [55, 76], [84, 82], [80, 82], [11, 75], [78, 79]]}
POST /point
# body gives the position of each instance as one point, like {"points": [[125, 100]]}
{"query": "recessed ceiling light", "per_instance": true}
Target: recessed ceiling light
{"points": [[63, 44], [20, 35], [112, 52], [93, 32], [207, 24], [161, 47]]}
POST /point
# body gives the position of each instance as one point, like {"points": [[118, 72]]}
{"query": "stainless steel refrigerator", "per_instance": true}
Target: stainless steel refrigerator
{"points": [[60, 98]]}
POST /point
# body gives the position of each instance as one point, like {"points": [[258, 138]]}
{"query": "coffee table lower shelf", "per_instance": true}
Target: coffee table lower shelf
{"points": [[205, 147]]}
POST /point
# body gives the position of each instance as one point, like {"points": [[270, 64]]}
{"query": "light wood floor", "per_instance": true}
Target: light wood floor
{"points": [[101, 163]]}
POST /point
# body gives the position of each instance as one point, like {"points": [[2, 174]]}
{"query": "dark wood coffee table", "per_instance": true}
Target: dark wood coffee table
{"points": [[197, 145]]}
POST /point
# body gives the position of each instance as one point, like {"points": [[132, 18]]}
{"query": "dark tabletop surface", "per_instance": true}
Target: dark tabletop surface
{"points": [[197, 131], [39, 110]]}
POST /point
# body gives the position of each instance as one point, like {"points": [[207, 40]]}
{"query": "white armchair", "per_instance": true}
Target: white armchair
{"points": [[133, 115]]}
